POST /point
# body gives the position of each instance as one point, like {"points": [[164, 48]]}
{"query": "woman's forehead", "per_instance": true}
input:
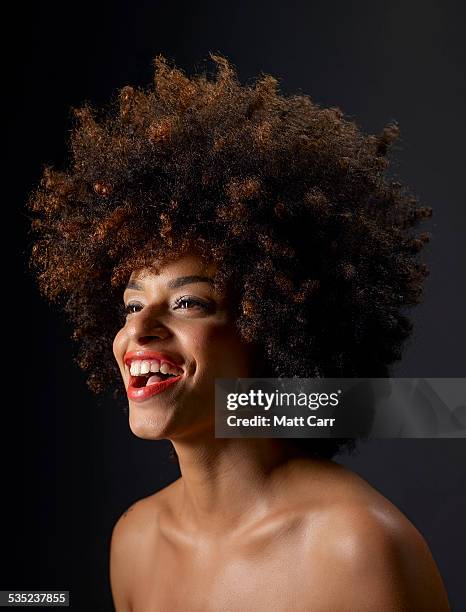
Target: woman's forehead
{"points": [[184, 265]]}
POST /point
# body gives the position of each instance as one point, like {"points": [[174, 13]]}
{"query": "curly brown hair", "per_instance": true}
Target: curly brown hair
{"points": [[291, 200]]}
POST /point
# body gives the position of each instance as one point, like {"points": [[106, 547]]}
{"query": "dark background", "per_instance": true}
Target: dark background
{"points": [[70, 464]]}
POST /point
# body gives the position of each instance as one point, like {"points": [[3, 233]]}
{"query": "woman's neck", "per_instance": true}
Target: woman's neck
{"points": [[229, 483]]}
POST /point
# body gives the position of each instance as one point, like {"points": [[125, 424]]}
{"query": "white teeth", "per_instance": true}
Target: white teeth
{"points": [[145, 367], [135, 368], [174, 371], [154, 366]]}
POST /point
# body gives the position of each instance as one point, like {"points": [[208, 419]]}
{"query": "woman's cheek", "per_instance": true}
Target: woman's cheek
{"points": [[118, 343], [226, 352]]}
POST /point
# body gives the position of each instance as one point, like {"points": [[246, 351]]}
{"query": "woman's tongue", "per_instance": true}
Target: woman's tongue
{"points": [[155, 378]]}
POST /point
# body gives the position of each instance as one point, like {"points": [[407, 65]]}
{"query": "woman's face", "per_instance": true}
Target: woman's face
{"points": [[175, 317]]}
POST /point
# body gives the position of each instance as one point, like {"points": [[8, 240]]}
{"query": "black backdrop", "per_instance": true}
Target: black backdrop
{"points": [[70, 464]]}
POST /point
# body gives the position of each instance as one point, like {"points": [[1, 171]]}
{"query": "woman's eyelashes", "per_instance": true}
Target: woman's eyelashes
{"points": [[130, 307], [181, 303], [187, 303]]}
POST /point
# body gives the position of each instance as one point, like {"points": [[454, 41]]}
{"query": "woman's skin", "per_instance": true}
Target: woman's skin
{"points": [[249, 525]]}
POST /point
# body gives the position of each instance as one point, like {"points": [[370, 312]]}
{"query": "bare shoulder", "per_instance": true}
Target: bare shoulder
{"points": [[137, 521], [132, 535], [378, 558]]}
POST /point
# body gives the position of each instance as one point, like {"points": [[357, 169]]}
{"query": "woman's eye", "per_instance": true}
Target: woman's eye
{"points": [[132, 307], [189, 303], [183, 303]]}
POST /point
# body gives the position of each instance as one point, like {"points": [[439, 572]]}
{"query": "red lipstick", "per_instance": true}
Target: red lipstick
{"points": [[141, 354], [139, 392]]}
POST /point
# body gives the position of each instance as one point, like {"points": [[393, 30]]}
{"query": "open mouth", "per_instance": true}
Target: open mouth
{"points": [[150, 373], [146, 380], [143, 387]]}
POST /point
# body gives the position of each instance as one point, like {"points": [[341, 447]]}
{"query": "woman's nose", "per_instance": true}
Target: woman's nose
{"points": [[146, 325]]}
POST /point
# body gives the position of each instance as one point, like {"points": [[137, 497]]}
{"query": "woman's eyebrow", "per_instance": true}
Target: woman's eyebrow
{"points": [[173, 284], [187, 280], [133, 284]]}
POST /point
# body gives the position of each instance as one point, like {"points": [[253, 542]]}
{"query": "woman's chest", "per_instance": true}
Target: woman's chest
{"points": [[233, 585], [263, 575]]}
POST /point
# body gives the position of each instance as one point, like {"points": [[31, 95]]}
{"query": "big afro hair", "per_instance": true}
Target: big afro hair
{"points": [[294, 202]]}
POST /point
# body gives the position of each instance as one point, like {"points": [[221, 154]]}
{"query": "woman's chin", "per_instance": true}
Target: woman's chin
{"points": [[148, 425]]}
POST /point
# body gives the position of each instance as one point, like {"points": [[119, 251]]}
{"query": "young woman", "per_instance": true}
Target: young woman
{"points": [[203, 230]]}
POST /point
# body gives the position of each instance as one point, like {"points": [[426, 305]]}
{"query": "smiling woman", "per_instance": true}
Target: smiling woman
{"points": [[189, 335], [223, 230]]}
